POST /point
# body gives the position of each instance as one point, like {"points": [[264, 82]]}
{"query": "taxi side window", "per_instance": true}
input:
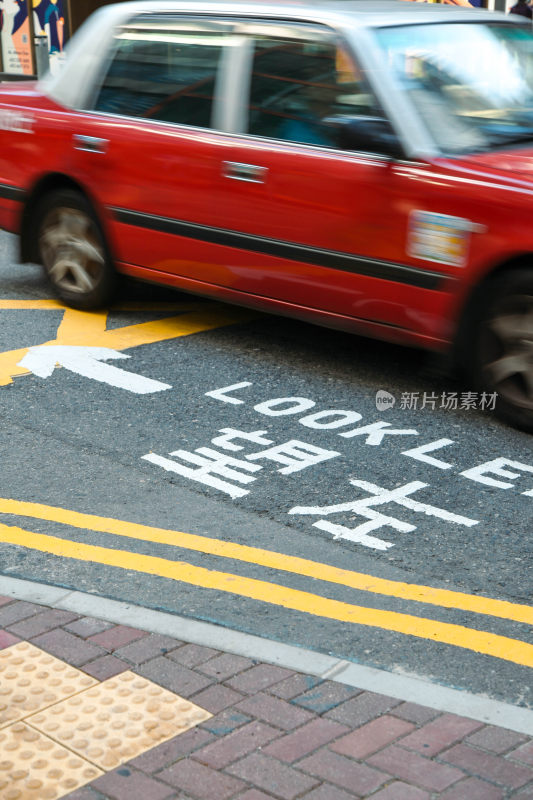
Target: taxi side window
{"points": [[163, 75], [299, 87]]}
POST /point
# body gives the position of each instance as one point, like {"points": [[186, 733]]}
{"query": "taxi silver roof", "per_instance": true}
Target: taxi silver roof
{"points": [[366, 12], [90, 43]]}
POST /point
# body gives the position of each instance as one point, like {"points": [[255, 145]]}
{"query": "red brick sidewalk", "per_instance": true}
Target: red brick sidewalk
{"points": [[276, 733]]}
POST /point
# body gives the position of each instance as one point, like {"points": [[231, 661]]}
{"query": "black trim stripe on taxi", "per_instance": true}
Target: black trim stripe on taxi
{"points": [[293, 252], [359, 265], [11, 192]]}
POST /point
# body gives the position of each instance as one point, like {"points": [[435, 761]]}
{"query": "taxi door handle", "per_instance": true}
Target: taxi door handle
{"points": [[90, 144], [244, 172]]}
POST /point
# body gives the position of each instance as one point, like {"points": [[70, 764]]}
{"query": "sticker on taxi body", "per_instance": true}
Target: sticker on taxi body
{"points": [[17, 121], [439, 237]]}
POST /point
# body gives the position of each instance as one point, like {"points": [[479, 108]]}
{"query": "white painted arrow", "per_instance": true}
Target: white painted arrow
{"points": [[87, 361]]}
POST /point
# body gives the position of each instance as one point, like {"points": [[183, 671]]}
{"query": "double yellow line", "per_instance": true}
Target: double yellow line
{"points": [[459, 636]]}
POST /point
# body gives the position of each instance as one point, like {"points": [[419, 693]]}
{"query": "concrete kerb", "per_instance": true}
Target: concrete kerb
{"points": [[400, 686]]}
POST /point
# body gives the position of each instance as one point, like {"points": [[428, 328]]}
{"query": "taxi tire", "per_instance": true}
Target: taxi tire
{"points": [[501, 346], [90, 283]]}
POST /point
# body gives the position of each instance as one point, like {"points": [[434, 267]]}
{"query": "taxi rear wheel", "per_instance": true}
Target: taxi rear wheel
{"points": [[73, 251], [502, 346]]}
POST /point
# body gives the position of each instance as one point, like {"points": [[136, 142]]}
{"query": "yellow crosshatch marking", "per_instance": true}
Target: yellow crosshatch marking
{"points": [[468, 638], [89, 328], [81, 731]]}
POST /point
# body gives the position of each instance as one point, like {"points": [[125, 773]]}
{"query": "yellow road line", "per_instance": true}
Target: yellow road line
{"points": [[73, 329], [51, 303], [467, 638], [9, 365], [89, 329], [81, 325], [279, 561], [22, 305]]}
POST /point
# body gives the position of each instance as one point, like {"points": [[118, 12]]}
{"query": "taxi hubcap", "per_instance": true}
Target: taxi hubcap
{"points": [[70, 250], [509, 351]]}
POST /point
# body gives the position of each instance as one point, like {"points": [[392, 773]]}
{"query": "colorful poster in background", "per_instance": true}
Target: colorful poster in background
{"points": [[452, 2], [15, 37], [50, 19]]}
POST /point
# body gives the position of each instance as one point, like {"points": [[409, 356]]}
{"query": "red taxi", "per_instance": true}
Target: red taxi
{"points": [[362, 165]]}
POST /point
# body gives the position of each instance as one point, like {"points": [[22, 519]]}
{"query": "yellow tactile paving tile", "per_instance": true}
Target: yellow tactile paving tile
{"points": [[61, 729], [117, 720], [33, 767], [31, 680]]}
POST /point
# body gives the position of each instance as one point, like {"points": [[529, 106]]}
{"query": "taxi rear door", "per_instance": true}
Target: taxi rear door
{"points": [[148, 148]]}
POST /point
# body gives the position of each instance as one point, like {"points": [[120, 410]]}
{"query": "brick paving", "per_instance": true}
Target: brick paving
{"points": [[276, 734]]}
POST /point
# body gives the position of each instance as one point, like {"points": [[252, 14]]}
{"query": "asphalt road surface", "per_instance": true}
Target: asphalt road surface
{"points": [[282, 479]]}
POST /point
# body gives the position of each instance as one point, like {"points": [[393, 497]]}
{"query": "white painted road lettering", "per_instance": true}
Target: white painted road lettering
{"points": [[271, 408], [496, 467], [365, 508], [359, 534], [87, 361], [376, 431], [227, 440], [294, 455], [315, 420], [419, 453], [222, 394], [209, 461]]}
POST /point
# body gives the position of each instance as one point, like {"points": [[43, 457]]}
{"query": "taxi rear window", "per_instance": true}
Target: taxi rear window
{"points": [[163, 75]]}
